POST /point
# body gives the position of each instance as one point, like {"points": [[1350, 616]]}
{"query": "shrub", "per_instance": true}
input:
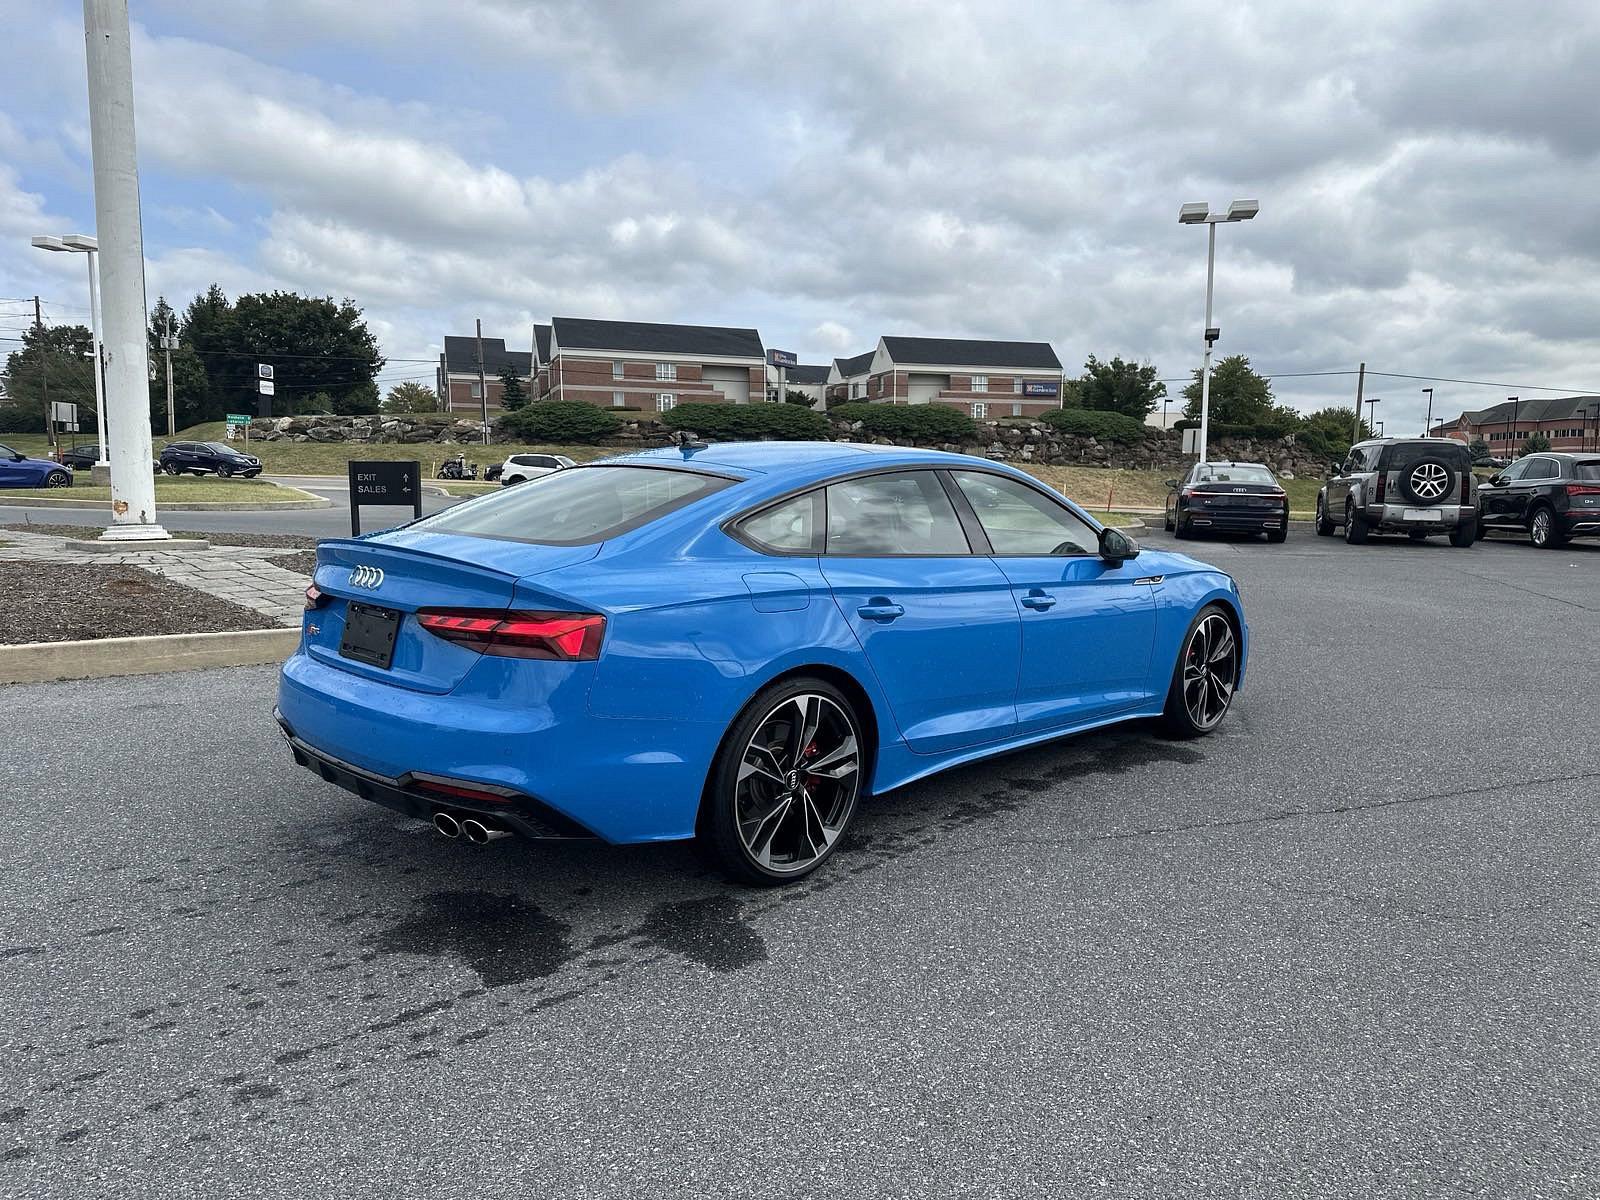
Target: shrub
{"points": [[787, 422], [559, 421], [925, 422], [1089, 422]]}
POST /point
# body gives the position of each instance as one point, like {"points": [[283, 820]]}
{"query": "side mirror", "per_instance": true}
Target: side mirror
{"points": [[17, 456], [1171, 485], [1116, 546], [1497, 479]]}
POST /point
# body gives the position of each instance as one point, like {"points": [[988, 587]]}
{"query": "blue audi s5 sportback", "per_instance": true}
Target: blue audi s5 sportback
{"points": [[737, 643]]}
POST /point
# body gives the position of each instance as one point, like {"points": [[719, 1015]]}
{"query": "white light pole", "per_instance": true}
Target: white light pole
{"points": [[1201, 214], [109, 51], [82, 243]]}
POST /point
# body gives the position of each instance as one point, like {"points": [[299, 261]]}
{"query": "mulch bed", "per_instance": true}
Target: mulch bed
{"points": [[61, 602]]}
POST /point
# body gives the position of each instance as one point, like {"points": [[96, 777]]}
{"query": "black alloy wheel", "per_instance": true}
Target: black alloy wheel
{"points": [[786, 783], [1205, 676], [173, 469], [58, 479], [224, 471]]}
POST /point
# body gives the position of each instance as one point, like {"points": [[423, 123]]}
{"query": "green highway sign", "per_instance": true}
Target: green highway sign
{"points": [[238, 418]]}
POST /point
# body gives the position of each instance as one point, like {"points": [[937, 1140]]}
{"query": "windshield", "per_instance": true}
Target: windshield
{"points": [[1588, 469], [1240, 474], [577, 507]]}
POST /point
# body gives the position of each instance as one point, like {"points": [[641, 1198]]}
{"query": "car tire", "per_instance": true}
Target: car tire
{"points": [[1543, 531], [1181, 529], [224, 472], [1356, 528], [1277, 535], [763, 813], [1464, 534], [58, 479], [1325, 527], [516, 479], [1440, 474], [1166, 522], [1199, 697], [173, 469]]}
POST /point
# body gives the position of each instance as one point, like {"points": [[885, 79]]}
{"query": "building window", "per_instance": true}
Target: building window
{"points": [[665, 401], [617, 399], [477, 390], [980, 383], [666, 370], [979, 411], [856, 389], [1016, 410], [616, 370], [1016, 385]]}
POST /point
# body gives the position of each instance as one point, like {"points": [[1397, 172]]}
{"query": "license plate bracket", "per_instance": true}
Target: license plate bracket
{"points": [[369, 634]]}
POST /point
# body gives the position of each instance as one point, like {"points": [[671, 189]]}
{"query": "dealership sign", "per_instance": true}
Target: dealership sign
{"points": [[782, 358], [1040, 387]]}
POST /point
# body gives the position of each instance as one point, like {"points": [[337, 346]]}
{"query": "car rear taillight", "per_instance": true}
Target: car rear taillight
{"points": [[1466, 487], [1383, 483], [571, 637], [1582, 489], [315, 597]]}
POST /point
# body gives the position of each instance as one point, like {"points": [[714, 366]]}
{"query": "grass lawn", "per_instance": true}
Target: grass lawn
{"points": [[194, 489]]}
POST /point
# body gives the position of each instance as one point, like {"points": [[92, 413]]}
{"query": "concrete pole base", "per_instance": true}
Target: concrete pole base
{"points": [[100, 475], [161, 545], [135, 533]]}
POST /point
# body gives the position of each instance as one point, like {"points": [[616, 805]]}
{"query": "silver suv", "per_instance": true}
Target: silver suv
{"points": [[1417, 486]]}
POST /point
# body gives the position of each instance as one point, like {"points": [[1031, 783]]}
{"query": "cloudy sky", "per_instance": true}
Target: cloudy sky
{"points": [[831, 171]]}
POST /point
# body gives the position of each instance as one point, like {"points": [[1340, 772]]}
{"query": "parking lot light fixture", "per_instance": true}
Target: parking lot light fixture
{"points": [[1427, 422], [1201, 214], [1372, 414], [82, 243]]}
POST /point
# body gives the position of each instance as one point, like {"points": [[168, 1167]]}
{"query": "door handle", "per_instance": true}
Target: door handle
{"points": [[1038, 600], [881, 609]]}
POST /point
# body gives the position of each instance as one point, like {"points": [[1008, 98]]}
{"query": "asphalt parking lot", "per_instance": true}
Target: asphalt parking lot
{"points": [[1344, 947]]}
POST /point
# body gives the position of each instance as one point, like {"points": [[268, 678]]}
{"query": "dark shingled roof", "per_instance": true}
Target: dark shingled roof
{"points": [[574, 333], [542, 332], [1555, 409], [461, 356], [965, 352], [806, 373], [859, 365]]}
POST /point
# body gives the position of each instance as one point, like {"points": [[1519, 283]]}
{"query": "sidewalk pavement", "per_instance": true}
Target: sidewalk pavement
{"points": [[243, 575]]}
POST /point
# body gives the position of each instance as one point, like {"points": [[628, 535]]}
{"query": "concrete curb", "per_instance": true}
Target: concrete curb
{"points": [[166, 506], [42, 662]]}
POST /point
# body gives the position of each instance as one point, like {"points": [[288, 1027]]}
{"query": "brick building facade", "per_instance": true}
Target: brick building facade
{"points": [[982, 378], [651, 367], [1570, 422], [457, 374]]}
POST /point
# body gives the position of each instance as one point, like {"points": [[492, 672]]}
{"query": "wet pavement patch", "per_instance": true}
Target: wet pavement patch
{"points": [[504, 939], [710, 931]]}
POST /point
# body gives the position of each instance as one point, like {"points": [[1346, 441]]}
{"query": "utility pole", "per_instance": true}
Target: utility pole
{"points": [[1516, 418], [109, 52], [44, 375], [1361, 383], [483, 386], [172, 424]]}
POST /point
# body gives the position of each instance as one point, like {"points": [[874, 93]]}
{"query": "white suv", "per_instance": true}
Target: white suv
{"points": [[520, 468]]}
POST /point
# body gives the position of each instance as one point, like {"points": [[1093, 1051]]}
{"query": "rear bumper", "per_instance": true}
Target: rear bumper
{"points": [[1258, 521], [621, 780], [1580, 523], [1393, 516]]}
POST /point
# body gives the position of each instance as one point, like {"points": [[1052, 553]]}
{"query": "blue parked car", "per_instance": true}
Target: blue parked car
{"points": [[18, 470], [737, 643]]}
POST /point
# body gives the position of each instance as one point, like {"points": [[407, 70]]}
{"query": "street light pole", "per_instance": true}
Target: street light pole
{"points": [[1427, 423], [1201, 214], [82, 243], [1371, 413], [109, 52]]}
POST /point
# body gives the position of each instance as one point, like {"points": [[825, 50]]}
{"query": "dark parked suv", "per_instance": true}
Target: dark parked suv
{"points": [[1553, 497], [1415, 486], [199, 458]]}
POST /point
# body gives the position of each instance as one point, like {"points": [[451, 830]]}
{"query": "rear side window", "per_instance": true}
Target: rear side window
{"points": [[1589, 469], [1019, 521], [576, 507], [787, 528], [1542, 468], [906, 514]]}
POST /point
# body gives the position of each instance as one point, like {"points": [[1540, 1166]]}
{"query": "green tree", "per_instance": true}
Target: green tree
{"points": [[410, 397], [189, 385], [790, 396], [1478, 448], [1327, 432], [512, 394], [313, 343], [1238, 395], [56, 362], [1535, 443], [1131, 389]]}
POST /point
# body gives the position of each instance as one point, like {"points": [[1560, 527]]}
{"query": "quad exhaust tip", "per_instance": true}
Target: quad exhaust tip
{"points": [[481, 833], [447, 825]]}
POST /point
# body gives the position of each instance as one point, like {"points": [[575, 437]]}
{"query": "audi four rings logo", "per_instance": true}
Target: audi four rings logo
{"points": [[367, 577], [1429, 481]]}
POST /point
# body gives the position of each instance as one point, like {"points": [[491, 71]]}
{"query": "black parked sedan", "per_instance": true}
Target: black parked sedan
{"points": [[1236, 497], [1552, 497], [201, 458]]}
